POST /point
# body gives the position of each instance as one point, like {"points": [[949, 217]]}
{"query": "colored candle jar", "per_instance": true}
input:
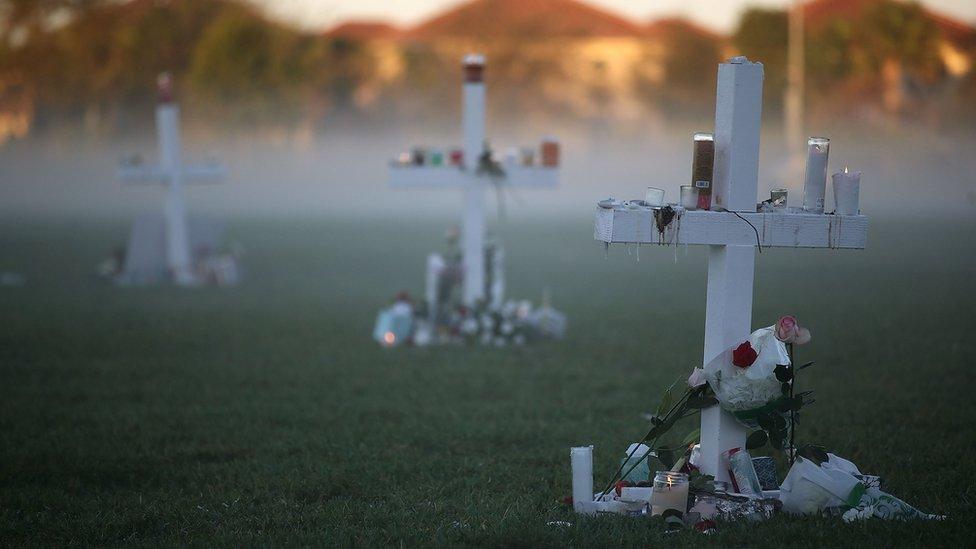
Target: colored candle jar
{"points": [[550, 152], [702, 165]]}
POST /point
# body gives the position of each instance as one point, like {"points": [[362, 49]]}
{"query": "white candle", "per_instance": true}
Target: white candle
{"points": [[581, 458], [815, 183], [689, 197], [670, 492], [847, 190]]}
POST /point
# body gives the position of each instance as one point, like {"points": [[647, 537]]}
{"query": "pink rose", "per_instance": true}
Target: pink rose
{"points": [[788, 330], [697, 378]]}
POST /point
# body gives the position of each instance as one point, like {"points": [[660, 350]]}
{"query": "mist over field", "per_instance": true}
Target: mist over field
{"points": [[344, 173]]}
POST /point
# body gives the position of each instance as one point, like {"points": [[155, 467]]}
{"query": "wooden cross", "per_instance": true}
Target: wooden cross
{"points": [[732, 238], [172, 173], [473, 222]]}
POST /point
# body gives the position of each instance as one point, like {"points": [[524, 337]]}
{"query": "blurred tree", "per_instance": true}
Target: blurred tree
{"points": [[689, 69], [763, 34]]}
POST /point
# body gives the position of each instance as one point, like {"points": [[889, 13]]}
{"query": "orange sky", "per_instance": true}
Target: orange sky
{"points": [[717, 14]]}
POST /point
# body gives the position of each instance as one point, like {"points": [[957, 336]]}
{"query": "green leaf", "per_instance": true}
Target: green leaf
{"points": [[691, 438], [776, 439], [666, 400], [757, 439], [666, 457], [785, 388]]}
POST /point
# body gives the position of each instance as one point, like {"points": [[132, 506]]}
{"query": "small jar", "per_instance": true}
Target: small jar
{"points": [[670, 492], [654, 197], [778, 198], [689, 197]]}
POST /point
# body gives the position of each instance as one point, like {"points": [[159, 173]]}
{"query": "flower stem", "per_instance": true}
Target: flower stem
{"points": [[792, 409], [678, 405]]}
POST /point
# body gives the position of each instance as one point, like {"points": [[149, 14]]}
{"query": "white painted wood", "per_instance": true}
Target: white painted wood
{"points": [[474, 218], [447, 177], [731, 268], [174, 174], [731, 239], [174, 210], [788, 230], [155, 174], [473, 225], [738, 116]]}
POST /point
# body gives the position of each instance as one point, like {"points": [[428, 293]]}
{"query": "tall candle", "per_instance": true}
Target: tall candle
{"points": [[847, 190], [815, 182], [701, 168], [581, 459]]}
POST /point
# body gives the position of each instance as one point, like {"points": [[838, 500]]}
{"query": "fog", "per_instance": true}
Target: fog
{"points": [[342, 173]]}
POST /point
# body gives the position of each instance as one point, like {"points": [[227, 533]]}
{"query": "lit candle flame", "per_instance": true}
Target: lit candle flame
{"points": [[389, 338], [846, 170]]}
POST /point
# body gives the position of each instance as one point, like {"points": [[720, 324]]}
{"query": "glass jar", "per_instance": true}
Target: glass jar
{"points": [[702, 165], [670, 492]]}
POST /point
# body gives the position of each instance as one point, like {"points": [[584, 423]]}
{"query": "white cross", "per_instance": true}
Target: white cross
{"points": [[172, 173], [731, 240], [473, 225]]}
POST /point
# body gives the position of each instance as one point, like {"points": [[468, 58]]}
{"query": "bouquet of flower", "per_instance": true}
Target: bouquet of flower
{"points": [[754, 381]]}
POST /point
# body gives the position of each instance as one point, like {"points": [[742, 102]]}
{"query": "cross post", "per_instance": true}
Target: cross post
{"points": [[473, 184], [172, 173], [731, 238]]}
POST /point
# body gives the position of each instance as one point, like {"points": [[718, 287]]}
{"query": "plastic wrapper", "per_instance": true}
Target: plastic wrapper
{"points": [[745, 391]]}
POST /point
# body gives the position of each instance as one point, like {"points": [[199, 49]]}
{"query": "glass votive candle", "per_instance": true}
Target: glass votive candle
{"points": [[777, 198], [654, 197], [549, 151], [689, 197], [436, 158], [815, 180], [670, 492]]}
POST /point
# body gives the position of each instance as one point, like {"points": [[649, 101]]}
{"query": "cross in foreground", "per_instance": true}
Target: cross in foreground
{"points": [[464, 175], [172, 173], [732, 238]]}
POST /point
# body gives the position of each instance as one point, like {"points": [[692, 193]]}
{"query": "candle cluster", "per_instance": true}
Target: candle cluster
{"points": [[846, 184], [545, 155]]}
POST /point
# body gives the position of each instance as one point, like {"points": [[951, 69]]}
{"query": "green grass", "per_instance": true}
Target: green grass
{"points": [[265, 414]]}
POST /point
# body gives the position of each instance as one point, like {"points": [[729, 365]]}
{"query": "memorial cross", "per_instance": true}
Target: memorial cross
{"points": [[732, 237]]}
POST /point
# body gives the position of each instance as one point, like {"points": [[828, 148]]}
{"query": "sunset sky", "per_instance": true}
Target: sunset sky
{"points": [[717, 14]]}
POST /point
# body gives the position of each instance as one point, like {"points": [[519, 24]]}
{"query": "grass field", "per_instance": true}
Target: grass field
{"points": [[265, 414]]}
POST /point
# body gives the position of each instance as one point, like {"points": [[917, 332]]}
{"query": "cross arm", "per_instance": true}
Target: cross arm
{"points": [[154, 173], [434, 177], [788, 230]]}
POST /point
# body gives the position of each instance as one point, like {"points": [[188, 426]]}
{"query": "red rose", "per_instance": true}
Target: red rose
{"points": [[744, 355]]}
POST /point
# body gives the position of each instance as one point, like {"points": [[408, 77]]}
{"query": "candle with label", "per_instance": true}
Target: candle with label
{"points": [[701, 168], [847, 190], [815, 182]]}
